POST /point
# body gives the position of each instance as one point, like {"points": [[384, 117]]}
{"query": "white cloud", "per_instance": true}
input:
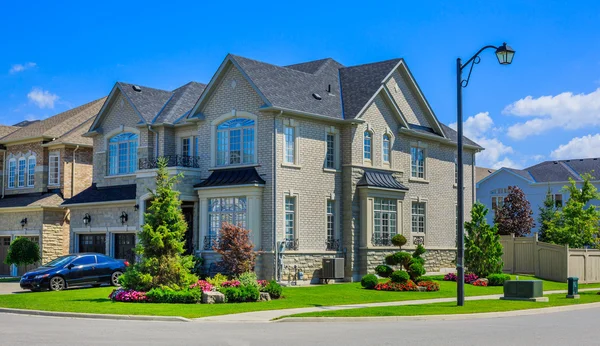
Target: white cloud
{"points": [[578, 148], [21, 67], [566, 111], [478, 128], [42, 98]]}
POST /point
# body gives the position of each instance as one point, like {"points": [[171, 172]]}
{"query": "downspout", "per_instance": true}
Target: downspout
{"points": [[275, 247], [73, 173], [3, 171], [155, 140], [474, 181]]}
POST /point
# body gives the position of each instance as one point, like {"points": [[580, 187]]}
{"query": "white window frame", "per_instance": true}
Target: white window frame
{"points": [[497, 202], [391, 209], [389, 149], [190, 144], [30, 174], [370, 146], [419, 229], [226, 136], [234, 213], [114, 163], [50, 162], [289, 144], [415, 175], [21, 172], [294, 218], [331, 219], [12, 176]]}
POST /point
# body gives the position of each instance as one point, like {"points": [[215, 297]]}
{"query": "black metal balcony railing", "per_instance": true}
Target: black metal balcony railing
{"points": [[419, 240], [332, 245], [172, 161], [210, 241], [291, 244], [381, 241]]}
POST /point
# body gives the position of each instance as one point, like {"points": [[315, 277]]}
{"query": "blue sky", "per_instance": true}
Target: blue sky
{"points": [[546, 105]]}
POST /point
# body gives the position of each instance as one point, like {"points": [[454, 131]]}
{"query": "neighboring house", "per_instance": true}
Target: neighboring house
{"points": [[317, 159], [43, 164], [535, 182], [482, 172]]}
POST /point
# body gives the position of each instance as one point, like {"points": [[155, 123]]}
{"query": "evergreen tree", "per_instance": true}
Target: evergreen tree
{"points": [[161, 244], [23, 251], [575, 224], [483, 251], [515, 215], [547, 211]]}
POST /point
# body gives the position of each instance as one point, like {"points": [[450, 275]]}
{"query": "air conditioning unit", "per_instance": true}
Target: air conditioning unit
{"points": [[333, 268]]}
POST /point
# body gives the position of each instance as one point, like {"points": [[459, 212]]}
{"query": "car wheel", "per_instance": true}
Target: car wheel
{"points": [[57, 283], [114, 278]]}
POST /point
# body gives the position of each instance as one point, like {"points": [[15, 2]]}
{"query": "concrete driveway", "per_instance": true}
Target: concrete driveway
{"points": [[10, 287]]}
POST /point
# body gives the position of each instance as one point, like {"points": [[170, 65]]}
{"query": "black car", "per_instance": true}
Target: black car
{"points": [[75, 270]]}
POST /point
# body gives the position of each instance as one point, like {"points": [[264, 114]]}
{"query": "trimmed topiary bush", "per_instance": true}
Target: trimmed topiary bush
{"points": [[497, 279], [398, 258], [416, 270], [369, 281], [384, 271], [399, 276], [399, 240]]}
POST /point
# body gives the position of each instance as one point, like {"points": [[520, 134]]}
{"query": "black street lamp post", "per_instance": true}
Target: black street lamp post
{"points": [[505, 56]]}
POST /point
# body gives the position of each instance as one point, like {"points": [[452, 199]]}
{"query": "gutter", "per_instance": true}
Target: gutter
{"points": [[155, 139], [73, 173], [275, 247], [311, 115], [3, 171]]}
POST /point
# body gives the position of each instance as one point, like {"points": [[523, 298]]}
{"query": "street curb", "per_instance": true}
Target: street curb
{"points": [[94, 316], [527, 312]]}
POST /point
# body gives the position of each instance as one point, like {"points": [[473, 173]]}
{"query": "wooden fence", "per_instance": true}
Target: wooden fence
{"points": [[527, 255]]}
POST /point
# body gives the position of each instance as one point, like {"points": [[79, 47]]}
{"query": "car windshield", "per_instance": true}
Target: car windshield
{"points": [[59, 262]]}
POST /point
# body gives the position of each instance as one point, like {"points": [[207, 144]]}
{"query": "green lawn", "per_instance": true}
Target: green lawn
{"points": [[11, 279], [470, 307], [94, 300]]}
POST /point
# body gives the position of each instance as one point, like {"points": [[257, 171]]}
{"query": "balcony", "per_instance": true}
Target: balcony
{"points": [[172, 161], [381, 241]]}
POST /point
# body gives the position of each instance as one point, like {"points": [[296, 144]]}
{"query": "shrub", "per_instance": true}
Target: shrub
{"points": [[273, 288], [167, 295], [416, 270], [429, 285], [497, 279], [369, 281], [203, 286], [398, 258], [470, 278], [23, 251], [248, 279], [122, 295], [395, 286], [480, 282], [217, 280], [483, 251], [231, 283], [384, 271], [399, 276], [262, 283], [419, 251], [240, 294], [450, 277], [197, 269], [236, 249], [399, 240]]}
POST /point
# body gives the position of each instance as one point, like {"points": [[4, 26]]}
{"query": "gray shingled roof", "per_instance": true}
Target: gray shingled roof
{"points": [[47, 199], [293, 89], [95, 194], [452, 135], [184, 98], [559, 171], [520, 172], [359, 84], [148, 101], [57, 125], [309, 66], [6, 130]]}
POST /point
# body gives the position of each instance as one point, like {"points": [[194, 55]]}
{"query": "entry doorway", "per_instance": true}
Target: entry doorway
{"points": [[187, 209]]}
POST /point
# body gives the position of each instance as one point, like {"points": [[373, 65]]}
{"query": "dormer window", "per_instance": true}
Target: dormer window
{"points": [[235, 142], [122, 154]]}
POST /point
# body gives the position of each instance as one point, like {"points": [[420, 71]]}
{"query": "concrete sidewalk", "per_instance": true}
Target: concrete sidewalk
{"points": [[269, 315]]}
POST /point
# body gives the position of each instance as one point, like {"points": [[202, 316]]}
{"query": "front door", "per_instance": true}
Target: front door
{"points": [[188, 215], [92, 243], [4, 245], [124, 246]]}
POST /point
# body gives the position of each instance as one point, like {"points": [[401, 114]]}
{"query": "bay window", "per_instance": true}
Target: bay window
{"points": [[385, 216], [227, 209]]}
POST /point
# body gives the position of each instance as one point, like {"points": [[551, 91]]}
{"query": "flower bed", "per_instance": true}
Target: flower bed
{"points": [[469, 277], [396, 286]]}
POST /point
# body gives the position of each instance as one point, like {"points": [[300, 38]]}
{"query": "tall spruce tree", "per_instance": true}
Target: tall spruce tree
{"points": [[515, 215], [483, 251], [161, 245], [547, 211]]}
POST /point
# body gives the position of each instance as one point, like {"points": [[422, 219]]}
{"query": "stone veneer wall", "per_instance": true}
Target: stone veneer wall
{"points": [[55, 235], [83, 171], [435, 260]]}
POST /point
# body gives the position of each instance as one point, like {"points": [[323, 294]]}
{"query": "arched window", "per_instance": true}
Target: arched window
{"points": [[21, 174], [122, 153], [12, 171], [367, 145], [31, 162], [386, 148], [235, 142]]}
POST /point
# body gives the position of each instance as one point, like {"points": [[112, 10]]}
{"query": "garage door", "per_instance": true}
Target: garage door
{"points": [[124, 246], [4, 245], [92, 243]]}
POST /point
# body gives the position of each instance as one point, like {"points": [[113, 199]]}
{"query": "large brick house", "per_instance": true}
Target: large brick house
{"points": [[42, 164], [317, 159]]}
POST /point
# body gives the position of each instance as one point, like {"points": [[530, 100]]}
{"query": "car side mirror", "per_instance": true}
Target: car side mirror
{"points": [[70, 266]]}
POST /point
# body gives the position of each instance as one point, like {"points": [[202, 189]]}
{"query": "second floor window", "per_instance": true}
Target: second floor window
{"points": [[235, 142], [122, 154], [367, 145], [21, 175], [31, 171], [558, 203], [330, 154], [417, 162], [289, 133], [54, 169], [290, 219], [386, 148], [12, 171], [418, 217], [186, 146]]}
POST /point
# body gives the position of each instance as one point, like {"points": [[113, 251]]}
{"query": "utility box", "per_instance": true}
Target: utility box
{"points": [[333, 268], [528, 290], [573, 287]]}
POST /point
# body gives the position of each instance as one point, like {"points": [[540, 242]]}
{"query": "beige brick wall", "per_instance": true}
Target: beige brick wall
{"points": [[104, 216], [407, 100], [83, 170]]}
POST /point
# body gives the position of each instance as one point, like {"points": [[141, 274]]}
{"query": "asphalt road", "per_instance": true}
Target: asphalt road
{"points": [[562, 328]]}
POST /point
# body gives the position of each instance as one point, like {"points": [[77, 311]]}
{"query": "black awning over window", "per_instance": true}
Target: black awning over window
{"points": [[232, 177], [380, 179]]}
